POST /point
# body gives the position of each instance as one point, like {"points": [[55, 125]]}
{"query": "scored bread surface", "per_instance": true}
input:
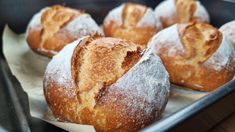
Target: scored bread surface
{"points": [[170, 12], [106, 82], [54, 27], [133, 22], [196, 55]]}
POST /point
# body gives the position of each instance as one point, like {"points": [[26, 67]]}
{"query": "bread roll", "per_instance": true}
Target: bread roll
{"points": [[133, 22], [196, 55], [170, 12], [229, 30], [106, 82], [54, 27]]}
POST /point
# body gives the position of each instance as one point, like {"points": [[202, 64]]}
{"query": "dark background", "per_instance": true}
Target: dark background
{"points": [[17, 13], [14, 114]]}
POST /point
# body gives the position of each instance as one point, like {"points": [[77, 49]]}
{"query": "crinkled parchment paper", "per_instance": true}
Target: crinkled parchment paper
{"points": [[29, 67]]}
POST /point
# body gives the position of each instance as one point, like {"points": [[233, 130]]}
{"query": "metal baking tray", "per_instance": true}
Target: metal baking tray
{"points": [[202, 115]]}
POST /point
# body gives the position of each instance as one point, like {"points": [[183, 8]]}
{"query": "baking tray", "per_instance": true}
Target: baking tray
{"points": [[202, 115]]}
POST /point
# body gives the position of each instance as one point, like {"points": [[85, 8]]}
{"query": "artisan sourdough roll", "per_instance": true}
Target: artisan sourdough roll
{"points": [[170, 12], [133, 22], [229, 30], [54, 27], [108, 83], [196, 55]]}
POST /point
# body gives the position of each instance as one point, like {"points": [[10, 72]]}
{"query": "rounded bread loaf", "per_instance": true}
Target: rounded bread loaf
{"points": [[108, 83], [133, 22], [54, 27], [196, 55]]}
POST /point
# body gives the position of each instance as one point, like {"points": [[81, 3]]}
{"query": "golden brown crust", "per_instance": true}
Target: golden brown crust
{"points": [[200, 41], [63, 108], [185, 10], [92, 95], [96, 64], [181, 11], [50, 36], [34, 37], [131, 15], [189, 66]]}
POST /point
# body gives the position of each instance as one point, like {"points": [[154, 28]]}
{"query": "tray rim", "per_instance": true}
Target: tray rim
{"points": [[206, 101], [172, 120]]}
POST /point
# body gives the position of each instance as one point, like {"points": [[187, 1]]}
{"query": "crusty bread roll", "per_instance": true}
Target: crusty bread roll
{"points": [[133, 22], [106, 82], [229, 30], [196, 55], [170, 12], [54, 27]]}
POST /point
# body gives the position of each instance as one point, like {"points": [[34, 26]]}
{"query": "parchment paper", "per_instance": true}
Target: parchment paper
{"points": [[29, 67]]}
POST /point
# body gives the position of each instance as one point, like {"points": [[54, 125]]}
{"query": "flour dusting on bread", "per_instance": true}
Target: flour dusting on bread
{"points": [[145, 83], [149, 20], [168, 37], [60, 66], [82, 26], [115, 15], [223, 56]]}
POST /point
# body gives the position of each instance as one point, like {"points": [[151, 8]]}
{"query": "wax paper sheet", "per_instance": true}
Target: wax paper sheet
{"points": [[28, 67]]}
